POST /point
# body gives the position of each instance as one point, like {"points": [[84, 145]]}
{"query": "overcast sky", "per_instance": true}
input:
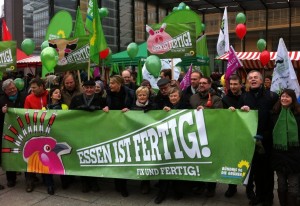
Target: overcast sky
{"points": [[1, 8]]}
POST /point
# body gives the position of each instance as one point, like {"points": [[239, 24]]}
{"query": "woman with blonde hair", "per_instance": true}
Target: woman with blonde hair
{"points": [[120, 97]]}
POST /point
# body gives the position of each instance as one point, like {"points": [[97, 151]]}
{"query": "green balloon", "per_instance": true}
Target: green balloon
{"points": [[103, 12], [28, 46], [49, 58], [182, 4], [153, 65], [132, 50], [240, 18], [203, 27], [19, 83], [261, 44], [175, 9], [44, 45]]}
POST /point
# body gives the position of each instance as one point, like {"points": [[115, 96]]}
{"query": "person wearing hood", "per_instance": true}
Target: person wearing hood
{"points": [[206, 98]]}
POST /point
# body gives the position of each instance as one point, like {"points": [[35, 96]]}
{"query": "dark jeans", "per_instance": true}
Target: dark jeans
{"points": [[11, 176], [47, 178], [288, 182], [263, 176]]}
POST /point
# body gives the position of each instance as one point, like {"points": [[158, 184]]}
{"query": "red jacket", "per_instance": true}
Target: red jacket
{"points": [[36, 102]]}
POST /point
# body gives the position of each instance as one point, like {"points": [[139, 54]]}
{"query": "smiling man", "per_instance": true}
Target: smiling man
{"points": [[258, 98]]}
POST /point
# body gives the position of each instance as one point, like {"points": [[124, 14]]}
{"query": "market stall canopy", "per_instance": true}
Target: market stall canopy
{"points": [[122, 58], [30, 61], [251, 59], [199, 60]]}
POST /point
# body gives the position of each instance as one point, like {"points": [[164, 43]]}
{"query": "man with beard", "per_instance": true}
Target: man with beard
{"points": [[206, 98], [70, 88]]}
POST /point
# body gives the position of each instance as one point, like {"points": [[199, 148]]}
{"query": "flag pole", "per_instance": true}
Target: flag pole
{"points": [[89, 63], [172, 68], [79, 78], [241, 45]]}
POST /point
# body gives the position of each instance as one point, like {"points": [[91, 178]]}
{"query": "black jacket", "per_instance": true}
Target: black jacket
{"points": [[186, 94], [161, 101], [4, 99], [78, 103], [150, 106], [125, 98], [231, 100], [263, 101]]}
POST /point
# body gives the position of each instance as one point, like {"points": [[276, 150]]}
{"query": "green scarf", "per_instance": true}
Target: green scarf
{"points": [[285, 132]]}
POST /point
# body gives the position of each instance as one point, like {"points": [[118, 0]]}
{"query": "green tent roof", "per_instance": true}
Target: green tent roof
{"points": [[122, 58]]}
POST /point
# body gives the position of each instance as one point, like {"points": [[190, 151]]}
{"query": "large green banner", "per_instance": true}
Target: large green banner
{"points": [[73, 53], [205, 145], [8, 60], [171, 40]]}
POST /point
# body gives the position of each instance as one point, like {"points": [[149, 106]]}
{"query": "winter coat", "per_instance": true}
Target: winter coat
{"points": [[36, 102], [162, 100], [287, 161], [4, 100], [150, 106], [231, 100], [125, 98], [201, 99], [78, 103], [263, 101]]}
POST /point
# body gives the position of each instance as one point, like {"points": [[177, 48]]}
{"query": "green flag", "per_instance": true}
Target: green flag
{"points": [[114, 69], [98, 46], [79, 25], [201, 47], [8, 60], [89, 17], [139, 77]]}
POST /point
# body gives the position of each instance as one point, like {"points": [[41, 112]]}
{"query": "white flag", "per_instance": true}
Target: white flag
{"points": [[284, 76], [223, 40]]}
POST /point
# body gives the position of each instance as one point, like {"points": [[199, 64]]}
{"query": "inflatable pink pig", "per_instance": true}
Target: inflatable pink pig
{"points": [[159, 41]]}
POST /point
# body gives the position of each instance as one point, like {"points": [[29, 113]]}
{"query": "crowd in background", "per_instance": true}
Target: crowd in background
{"points": [[277, 144]]}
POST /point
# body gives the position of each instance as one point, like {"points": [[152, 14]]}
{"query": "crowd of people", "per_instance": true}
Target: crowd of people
{"points": [[277, 135]]}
